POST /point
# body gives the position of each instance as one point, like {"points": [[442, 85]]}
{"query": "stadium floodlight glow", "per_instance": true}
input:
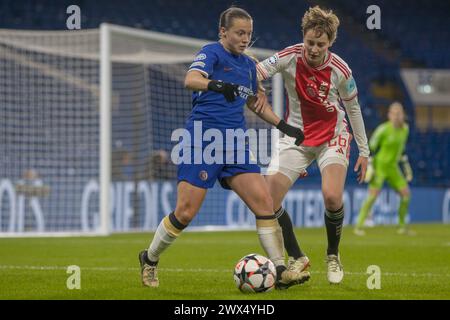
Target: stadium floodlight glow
{"points": [[425, 89], [90, 113]]}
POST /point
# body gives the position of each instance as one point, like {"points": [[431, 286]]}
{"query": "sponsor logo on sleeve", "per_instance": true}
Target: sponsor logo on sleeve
{"points": [[272, 60], [351, 85], [200, 57]]}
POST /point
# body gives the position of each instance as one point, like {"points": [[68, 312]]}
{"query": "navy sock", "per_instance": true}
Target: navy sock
{"points": [[280, 270], [290, 241], [333, 223]]}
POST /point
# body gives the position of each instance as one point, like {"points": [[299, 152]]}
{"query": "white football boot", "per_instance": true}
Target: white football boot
{"points": [[297, 271], [149, 274], [335, 272]]}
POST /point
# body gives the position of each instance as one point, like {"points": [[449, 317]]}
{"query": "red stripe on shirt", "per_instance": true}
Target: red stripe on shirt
{"points": [[262, 71], [341, 66], [286, 53], [346, 75], [342, 62], [295, 47]]}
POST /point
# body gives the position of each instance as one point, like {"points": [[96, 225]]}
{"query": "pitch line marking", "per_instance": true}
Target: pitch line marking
{"points": [[200, 270]]}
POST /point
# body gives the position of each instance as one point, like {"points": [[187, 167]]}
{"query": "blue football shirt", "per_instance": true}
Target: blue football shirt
{"points": [[215, 63]]}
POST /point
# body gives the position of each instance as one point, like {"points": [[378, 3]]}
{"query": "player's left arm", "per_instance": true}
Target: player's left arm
{"points": [[349, 96], [406, 166]]}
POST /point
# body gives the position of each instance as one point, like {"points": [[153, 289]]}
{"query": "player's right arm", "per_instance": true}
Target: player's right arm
{"points": [[195, 80], [198, 76]]}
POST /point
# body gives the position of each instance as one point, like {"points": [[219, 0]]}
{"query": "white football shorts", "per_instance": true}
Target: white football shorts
{"points": [[292, 160]]}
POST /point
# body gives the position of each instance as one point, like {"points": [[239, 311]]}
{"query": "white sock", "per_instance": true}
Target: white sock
{"points": [[271, 239], [162, 239]]}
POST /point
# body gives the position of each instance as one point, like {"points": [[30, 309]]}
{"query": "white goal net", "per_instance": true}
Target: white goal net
{"points": [[86, 119]]}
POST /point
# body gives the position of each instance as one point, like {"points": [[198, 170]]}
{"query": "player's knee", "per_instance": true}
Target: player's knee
{"points": [[277, 191], [332, 200], [268, 202], [275, 199], [264, 203]]}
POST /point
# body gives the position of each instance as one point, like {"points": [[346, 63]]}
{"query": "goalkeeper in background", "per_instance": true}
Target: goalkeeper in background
{"points": [[388, 145]]}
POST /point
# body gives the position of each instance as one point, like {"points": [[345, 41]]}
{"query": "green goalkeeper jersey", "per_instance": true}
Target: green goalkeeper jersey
{"points": [[388, 144]]}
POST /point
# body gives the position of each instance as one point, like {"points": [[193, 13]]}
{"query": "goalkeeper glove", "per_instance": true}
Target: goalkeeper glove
{"points": [[406, 168], [370, 171], [229, 90], [291, 131]]}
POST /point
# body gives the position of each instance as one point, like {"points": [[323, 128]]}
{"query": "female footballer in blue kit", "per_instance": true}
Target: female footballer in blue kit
{"points": [[222, 77]]}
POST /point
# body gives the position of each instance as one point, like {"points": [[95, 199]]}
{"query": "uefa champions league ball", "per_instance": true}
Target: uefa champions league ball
{"points": [[255, 273]]}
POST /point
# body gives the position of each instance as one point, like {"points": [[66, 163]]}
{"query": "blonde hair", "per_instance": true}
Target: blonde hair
{"points": [[321, 21]]}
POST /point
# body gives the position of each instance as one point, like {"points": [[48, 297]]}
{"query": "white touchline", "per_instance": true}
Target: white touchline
{"points": [[47, 268]]}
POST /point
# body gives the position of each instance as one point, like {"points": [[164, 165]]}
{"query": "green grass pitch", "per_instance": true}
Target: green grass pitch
{"points": [[199, 265]]}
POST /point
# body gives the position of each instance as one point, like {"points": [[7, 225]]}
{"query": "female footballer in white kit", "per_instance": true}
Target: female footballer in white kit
{"points": [[316, 81]]}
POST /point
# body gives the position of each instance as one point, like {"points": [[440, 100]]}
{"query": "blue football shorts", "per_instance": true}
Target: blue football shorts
{"points": [[204, 175]]}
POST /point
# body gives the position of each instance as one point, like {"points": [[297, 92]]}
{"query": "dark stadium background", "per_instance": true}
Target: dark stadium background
{"points": [[413, 34]]}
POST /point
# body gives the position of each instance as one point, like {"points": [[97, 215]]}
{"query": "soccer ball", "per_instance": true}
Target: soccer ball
{"points": [[255, 273]]}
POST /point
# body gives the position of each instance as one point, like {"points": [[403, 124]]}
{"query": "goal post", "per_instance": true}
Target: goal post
{"points": [[85, 124], [105, 128]]}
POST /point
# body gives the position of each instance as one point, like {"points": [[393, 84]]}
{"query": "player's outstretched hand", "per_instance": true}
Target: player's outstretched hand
{"points": [[229, 90], [291, 131], [361, 168]]}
